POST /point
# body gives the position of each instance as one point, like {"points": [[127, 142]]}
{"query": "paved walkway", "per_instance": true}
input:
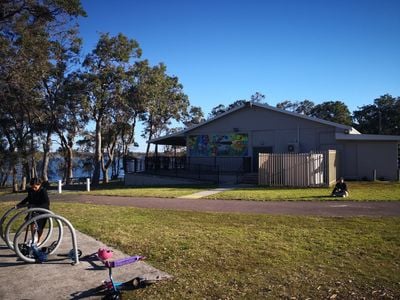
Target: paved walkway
{"points": [[340, 208], [206, 193], [77, 282], [58, 279]]}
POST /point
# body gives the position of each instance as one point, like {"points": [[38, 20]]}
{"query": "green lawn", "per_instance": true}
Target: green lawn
{"points": [[163, 192], [4, 191], [239, 256], [359, 191]]}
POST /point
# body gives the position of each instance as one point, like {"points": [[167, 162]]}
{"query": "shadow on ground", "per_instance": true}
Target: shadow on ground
{"points": [[59, 279]]}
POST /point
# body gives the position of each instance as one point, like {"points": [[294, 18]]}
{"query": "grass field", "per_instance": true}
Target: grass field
{"points": [[239, 256], [359, 191], [163, 192]]}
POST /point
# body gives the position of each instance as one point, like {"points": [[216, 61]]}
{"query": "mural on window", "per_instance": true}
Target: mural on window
{"points": [[218, 145]]}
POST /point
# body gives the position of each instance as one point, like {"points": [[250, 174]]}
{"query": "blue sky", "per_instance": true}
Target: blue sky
{"points": [[225, 50]]}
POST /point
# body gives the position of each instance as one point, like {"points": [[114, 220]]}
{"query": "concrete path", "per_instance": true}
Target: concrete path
{"points": [[337, 208], [21, 280], [206, 193], [58, 279]]}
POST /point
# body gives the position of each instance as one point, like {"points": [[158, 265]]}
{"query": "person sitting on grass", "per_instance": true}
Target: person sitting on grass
{"points": [[340, 189]]}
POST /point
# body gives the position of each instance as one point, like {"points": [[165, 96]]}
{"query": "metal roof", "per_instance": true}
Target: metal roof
{"points": [[367, 137]]}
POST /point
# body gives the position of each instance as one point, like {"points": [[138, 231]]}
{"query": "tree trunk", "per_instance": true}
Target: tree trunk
{"points": [[46, 157], [97, 154], [106, 166], [26, 171], [105, 176], [69, 155], [150, 136], [23, 183], [4, 178], [14, 179]]}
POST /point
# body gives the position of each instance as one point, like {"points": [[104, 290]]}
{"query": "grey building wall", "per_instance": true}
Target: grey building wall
{"points": [[272, 131], [359, 159], [267, 128]]}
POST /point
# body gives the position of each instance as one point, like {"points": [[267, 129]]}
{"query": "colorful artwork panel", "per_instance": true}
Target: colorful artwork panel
{"points": [[235, 144]]}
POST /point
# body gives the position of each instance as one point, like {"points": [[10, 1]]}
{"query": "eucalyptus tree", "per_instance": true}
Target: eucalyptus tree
{"points": [[70, 117], [286, 105], [303, 107], [107, 70], [194, 116], [334, 111], [257, 97], [164, 99], [27, 28], [62, 101], [381, 117]]}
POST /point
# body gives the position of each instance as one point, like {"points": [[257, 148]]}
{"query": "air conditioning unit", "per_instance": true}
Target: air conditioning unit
{"points": [[293, 147]]}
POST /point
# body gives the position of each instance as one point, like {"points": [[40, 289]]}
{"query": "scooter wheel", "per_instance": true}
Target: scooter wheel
{"points": [[136, 282], [71, 254], [113, 296]]}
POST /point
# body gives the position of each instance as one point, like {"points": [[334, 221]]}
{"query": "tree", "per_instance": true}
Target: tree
{"points": [[27, 29], [164, 99], [193, 117], [62, 99], [257, 98], [286, 105], [220, 109], [39, 11], [69, 117], [382, 117], [107, 69], [333, 111], [303, 107], [217, 110]]}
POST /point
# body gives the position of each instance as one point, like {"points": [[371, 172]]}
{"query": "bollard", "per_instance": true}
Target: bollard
{"points": [[88, 184], [374, 175], [398, 175], [59, 187]]}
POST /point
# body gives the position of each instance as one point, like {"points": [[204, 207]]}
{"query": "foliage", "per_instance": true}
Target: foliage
{"points": [[382, 117], [28, 32], [164, 98], [333, 111], [220, 109], [303, 107], [194, 116], [107, 71]]}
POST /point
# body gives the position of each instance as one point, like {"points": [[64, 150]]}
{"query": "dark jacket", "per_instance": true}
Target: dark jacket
{"points": [[36, 199]]}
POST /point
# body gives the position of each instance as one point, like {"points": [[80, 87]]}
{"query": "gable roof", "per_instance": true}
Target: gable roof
{"points": [[178, 138]]}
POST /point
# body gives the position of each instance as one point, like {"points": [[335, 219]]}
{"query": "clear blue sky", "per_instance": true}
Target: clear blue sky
{"points": [[225, 50]]}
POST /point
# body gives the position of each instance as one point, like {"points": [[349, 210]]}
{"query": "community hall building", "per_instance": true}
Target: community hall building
{"points": [[235, 141]]}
